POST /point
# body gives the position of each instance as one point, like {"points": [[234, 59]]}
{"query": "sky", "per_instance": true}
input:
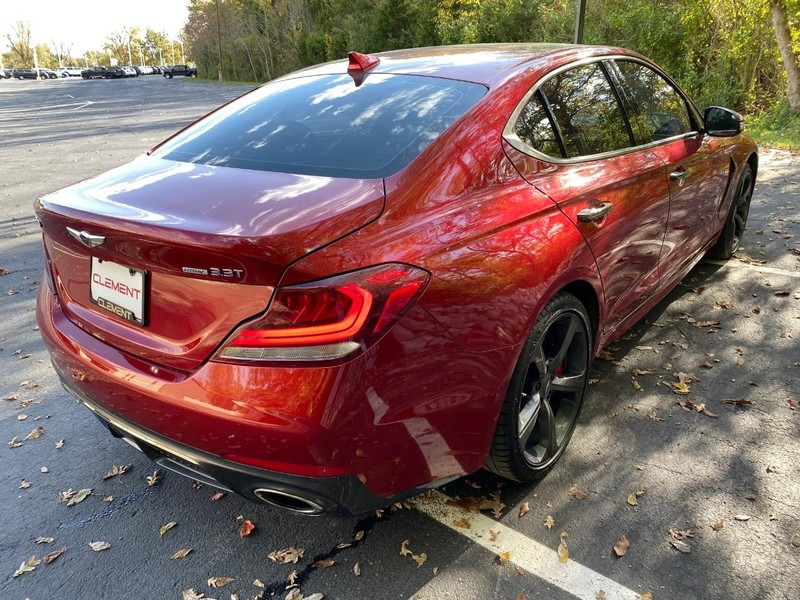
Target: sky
{"points": [[85, 24]]}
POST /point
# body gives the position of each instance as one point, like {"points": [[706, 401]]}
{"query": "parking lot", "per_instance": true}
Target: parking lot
{"points": [[704, 485]]}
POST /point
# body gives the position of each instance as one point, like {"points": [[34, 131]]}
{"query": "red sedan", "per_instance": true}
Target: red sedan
{"points": [[373, 276]]}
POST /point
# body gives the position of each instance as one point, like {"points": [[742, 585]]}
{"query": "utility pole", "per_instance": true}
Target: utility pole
{"points": [[141, 55], [219, 42], [579, 18], [36, 63], [160, 57], [130, 59]]}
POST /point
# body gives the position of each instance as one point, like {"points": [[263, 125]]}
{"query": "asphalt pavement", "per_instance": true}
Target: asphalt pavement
{"points": [[704, 485]]}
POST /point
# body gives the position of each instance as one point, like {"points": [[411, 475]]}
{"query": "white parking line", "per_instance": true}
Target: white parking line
{"points": [[760, 268], [38, 109], [537, 559]]}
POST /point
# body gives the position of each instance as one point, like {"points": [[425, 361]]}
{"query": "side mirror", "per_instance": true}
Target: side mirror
{"points": [[721, 122]]}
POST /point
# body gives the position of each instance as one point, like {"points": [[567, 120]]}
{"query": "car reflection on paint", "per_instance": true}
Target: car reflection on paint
{"points": [[373, 276]]}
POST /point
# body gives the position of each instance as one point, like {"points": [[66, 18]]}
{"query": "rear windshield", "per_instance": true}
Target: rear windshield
{"points": [[328, 126]]}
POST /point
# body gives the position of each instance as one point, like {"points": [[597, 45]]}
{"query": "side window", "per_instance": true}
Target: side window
{"points": [[662, 112], [535, 129], [587, 112]]}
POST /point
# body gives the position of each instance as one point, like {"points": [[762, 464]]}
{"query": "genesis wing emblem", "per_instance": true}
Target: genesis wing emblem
{"points": [[86, 238]]}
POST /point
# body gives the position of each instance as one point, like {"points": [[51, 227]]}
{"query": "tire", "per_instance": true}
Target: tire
{"points": [[735, 222], [546, 393]]}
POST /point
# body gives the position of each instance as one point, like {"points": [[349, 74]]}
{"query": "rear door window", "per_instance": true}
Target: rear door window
{"points": [[587, 112], [659, 111]]}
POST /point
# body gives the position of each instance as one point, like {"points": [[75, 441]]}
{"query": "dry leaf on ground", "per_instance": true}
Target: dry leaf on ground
{"points": [[192, 594], [53, 555], [681, 546], [563, 550], [738, 402], [357, 569], [78, 497], [165, 528], [154, 478], [621, 545], [35, 434], [287, 555], [718, 526], [680, 534], [27, 566], [218, 496], [217, 582], [577, 492], [504, 557], [99, 546], [116, 470], [549, 522], [43, 540], [247, 528], [523, 510], [180, 554], [323, 564]]}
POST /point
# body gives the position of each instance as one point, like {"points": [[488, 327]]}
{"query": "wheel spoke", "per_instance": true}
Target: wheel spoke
{"points": [[547, 429], [566, 342], [527, 421], [568, 383]]}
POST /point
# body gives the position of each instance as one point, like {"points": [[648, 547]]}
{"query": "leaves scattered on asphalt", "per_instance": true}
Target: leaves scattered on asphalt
{"points": [[549, 522], [27, 566], [74, 498], [406, 551], [35, 434], [523, 510], [218, 582], [577, 493], [53, 555], [154, 478], [165, 528], [116, 470]]}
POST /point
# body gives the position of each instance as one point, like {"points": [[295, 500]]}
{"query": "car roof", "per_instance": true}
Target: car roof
{"points": [[488, 64]]}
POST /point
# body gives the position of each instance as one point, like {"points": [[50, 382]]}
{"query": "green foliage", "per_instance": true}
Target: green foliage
{"points": [[776, 126]]}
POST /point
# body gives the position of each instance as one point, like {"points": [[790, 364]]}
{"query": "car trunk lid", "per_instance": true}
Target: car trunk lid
{"points": [[163, 259]]}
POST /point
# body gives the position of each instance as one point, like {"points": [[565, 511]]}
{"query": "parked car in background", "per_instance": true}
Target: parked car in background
{"points": [[49, 73], [130, 71], [29, 73], [145, 70], [6, 73], [370, 277], [180, 71], [94, 73], [70, 71]]}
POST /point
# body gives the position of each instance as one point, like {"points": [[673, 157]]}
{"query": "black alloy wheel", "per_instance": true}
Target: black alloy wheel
{"points": [[546, 393], [736, 221]]}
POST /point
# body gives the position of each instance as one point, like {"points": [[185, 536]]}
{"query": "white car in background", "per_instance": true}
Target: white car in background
{"points": [[69, 72]]}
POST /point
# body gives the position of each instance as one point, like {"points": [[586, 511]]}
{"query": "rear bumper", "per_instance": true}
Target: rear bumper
{"points": [[343, 495]]}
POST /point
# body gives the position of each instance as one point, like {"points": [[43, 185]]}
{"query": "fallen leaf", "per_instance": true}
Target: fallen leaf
{"points": [[523, 510], [636, 385], [27, 566], [796, 543], [218, 582], [246, 528], [316, 596], [53, 555], [154, 478], [493, 535], [504, 557], [563, 550], [79, 496], [521, 596], [291, 580], [44, 540], [358, 536], [718, 526], [357, 569], [727, 305], [24, 485], [653, 416], [165, 528], [793, 405], [287, 555], [192, 594], [739, 402], [520, 571], [601, 595], [404, 551], [180, 554], [680, 534], [260, 584], [742, 517], [621, 546], [462, 523], [632, 500], [21, 417], [647, 596], [116, 470], [323, 564], [59, 444], [681, 546], [218, 496], [549, 522], [14, 443], [35, 434], [99, 546], [577, 492], [420, 559], [701, 324]]}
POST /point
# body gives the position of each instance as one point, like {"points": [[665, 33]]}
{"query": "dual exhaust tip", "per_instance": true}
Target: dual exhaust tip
{"points": [[288, 501]]}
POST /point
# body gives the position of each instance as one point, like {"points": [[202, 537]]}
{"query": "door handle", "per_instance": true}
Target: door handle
{"points": [[587, 215], [679, 173]]}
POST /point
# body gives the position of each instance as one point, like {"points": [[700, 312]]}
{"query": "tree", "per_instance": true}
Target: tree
{"points": [[790, 60], [20, 41]]}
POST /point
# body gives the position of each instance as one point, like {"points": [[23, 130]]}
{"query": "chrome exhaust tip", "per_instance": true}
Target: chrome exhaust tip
{"points": [[288, 501]]}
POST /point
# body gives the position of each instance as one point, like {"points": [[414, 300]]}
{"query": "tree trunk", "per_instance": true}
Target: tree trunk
{"points": [[790, 62]]}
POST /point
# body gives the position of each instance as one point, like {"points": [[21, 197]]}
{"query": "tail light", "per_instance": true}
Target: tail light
{"points": [[329, 319]]}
